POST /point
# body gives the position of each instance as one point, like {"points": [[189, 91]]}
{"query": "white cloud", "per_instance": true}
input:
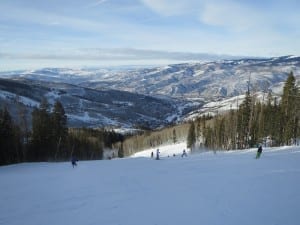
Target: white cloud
{"points": [[230, 15], [110, 54], [233, 15], [34, 16], [168, 7], [227, 14], [100, 2]]}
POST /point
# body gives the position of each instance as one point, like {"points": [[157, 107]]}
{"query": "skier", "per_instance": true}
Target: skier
{"points": [[259, 151], [152, 154], [157, 154], [184, 153], [73, 161]]}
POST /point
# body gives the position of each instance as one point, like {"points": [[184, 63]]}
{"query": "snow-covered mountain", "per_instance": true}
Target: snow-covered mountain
{"points": [[228, 187], [182, 87], [208, 80], [88, 107]]}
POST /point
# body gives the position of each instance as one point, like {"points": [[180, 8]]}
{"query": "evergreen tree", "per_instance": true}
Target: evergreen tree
{"points": [[174, 136], [191, 138], [59, 126], [6, 137], [23, 114], [231, 129], [42, 143], [208, 134], [243, 127], [289, 115], [10, 145], [121, 151]]}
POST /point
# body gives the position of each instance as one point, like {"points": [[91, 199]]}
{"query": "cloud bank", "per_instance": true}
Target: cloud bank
{"points": [[114, 54]]}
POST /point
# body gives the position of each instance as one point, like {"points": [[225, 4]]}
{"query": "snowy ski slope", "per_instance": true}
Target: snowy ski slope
{"points": [[228, 188]]}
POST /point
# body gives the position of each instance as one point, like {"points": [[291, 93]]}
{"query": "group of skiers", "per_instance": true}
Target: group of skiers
{"points": [[184, 154], [157, 154]]}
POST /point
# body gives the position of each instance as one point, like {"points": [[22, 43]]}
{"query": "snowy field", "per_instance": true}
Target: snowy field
{"points": [[229, 188]]}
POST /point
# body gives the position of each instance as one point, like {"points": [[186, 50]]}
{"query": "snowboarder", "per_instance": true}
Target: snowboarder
{"points": [[184, 153], [259, 151], [74, 161], [157, 154]]}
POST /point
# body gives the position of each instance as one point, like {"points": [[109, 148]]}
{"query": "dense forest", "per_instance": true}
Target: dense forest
{"points": [[272, 121], [49, 138]]}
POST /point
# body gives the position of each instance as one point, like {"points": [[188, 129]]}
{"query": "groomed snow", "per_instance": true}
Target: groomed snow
{"points": [[165, 150], [229, 188]]}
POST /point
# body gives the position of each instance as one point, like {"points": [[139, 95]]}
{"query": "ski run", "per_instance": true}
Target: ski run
{"points": [[221, 188]]}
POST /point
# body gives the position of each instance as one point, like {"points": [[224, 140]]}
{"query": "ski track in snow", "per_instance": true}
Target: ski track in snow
{"points": [[224, 188]]}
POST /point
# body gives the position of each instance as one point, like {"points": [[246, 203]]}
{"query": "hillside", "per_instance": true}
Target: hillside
{"points": [[209, 80], [88, 107], [151, 97], [224, 188]]}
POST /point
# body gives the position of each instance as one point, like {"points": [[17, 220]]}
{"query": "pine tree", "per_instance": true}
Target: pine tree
{"points": [[219, 128], [231, 129], [42, 143], [174, 136], [289, 116], [6, 137], [208, 134], [24, 127], [243, 127], [121, 151], [191, 138], [59, 126]]}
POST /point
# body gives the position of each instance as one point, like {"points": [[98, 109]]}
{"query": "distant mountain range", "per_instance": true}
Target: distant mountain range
{"points": [[150, 97]]}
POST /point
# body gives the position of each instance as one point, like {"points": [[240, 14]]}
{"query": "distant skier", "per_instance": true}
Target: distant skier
{"points": [[259, 151], [184, 153], [74, 161], [152, 154], [157, 154]]}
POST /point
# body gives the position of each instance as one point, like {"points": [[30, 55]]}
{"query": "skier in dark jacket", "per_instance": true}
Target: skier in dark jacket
{"points": [[259, 151], [157, 154], [73, 161]]}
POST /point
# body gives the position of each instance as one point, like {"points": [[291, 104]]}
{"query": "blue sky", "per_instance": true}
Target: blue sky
{"points": [[66, 33]]}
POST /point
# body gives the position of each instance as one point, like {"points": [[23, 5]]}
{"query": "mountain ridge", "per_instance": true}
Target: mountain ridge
{"points": [[169, 92]]}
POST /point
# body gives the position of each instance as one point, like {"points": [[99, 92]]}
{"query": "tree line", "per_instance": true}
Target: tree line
{"points": [[273, 122], [49, 138]]}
